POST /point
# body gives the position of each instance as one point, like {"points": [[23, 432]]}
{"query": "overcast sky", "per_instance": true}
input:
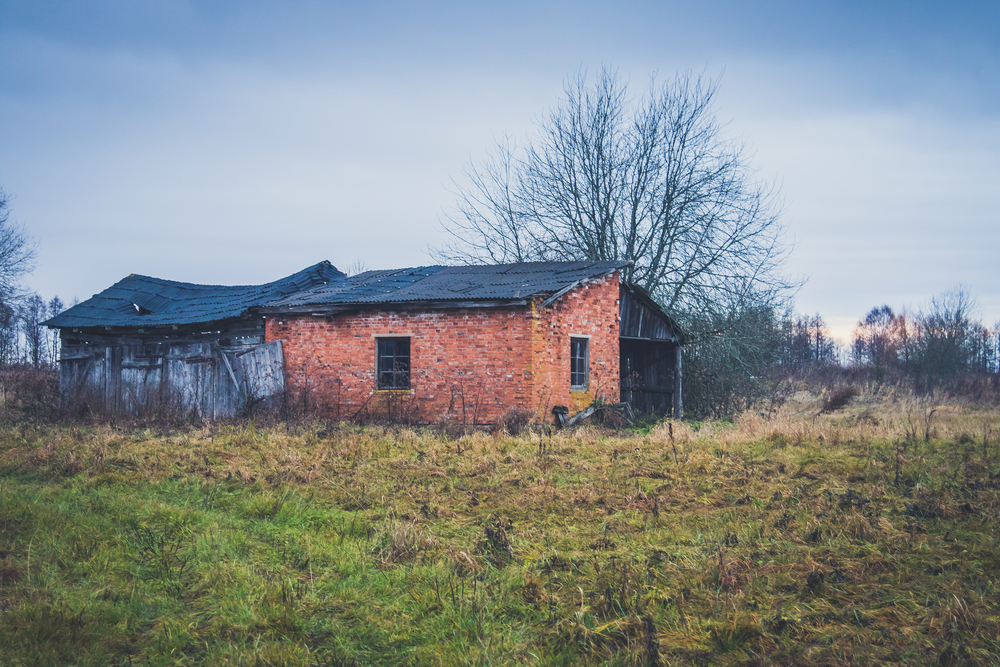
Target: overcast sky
{"points": [[237, 142]]}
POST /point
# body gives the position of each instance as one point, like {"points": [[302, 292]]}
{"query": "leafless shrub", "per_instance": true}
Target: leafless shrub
{"points": [[515, 421], [29, 393], [839, 398]]}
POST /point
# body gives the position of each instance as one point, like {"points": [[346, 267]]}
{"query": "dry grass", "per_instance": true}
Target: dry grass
{"points": [[859, 537]]}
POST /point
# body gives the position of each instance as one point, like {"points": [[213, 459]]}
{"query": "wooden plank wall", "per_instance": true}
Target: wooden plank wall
{"points": [[191, 372], [640, 321], [203, 379]]}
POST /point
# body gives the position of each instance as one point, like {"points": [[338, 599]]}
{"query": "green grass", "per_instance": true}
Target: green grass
{"points": [[840, 539]]}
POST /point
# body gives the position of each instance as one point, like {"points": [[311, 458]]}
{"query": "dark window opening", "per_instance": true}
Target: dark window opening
{"points": [[579, 363], [393, 363]]}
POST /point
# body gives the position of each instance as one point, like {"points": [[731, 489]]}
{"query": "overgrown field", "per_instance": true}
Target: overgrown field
{"points": [[862, 536]]}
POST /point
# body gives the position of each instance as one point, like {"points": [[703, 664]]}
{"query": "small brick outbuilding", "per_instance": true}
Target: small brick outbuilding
{"points": [[469, 343], [430, 343]]}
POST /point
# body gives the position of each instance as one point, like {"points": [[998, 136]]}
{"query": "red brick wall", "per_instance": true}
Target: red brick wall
{"points": [[467, 365], [590, 310]]}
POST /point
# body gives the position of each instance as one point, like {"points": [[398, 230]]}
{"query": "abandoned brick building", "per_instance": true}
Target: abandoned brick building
{"points": [[428, 343]]}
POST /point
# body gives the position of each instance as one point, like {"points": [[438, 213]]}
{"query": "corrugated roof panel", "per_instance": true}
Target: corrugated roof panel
{"points": [[451, 283]]}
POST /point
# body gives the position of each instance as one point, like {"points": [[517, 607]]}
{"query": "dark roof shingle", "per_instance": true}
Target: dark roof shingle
{"points": [[141, 301], [495, 282]]}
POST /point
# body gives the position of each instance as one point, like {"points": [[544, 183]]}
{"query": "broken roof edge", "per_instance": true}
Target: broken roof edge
{"points": [[242, 299], [321, 268]]}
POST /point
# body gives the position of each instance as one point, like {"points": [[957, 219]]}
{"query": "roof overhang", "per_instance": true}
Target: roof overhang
{"points": [[643, 297]]}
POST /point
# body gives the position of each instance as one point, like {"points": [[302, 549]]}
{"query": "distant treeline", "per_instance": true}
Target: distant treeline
{"points": [[947, 339], [749, 357], [23, 339]]}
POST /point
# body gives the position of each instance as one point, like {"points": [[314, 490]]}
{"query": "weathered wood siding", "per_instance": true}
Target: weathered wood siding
{"points": [[199, 378], [191, 372], [640, 321]]}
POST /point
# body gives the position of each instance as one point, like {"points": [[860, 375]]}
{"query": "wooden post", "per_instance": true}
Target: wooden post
{"points": [[678, 400]]}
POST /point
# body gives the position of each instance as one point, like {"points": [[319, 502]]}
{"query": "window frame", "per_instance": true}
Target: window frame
{"points": [[579, 343], [400, 378]]}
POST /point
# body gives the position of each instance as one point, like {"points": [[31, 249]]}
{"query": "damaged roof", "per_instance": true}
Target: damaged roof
{"points": [[450, 284], [142, 301]]}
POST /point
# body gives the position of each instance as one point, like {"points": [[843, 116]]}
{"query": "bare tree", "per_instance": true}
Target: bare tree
{"points": [[650, 180], [808, 341], [17, 254], [33, 313], [358, 266], [735, 361], [947, 332], [8, 334], [56, 306], [876, 343], [982, 345]]}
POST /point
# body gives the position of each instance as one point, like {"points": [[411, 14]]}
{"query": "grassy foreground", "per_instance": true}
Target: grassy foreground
{"points": [[860, 537]]}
